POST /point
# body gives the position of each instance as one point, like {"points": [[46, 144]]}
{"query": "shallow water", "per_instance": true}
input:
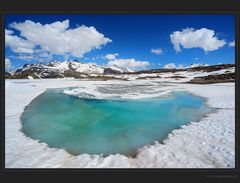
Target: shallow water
{"points": [[92, 126]]}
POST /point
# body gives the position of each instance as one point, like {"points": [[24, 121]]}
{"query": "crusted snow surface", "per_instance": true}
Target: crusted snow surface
{"points": [[208, 143]]}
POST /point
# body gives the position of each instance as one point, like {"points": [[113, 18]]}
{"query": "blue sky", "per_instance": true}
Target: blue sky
{"points": [[130, 37]]}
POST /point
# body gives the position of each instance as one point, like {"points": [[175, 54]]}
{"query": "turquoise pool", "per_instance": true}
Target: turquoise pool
{"points": [[92, 126]]}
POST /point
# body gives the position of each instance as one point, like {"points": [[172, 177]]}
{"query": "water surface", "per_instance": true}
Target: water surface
{"points": [[92, 126]]}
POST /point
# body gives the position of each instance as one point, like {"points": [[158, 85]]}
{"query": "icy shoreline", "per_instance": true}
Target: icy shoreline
{"points": [[208, 143]]}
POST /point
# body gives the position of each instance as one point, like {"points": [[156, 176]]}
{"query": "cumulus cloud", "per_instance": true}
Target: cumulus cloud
{"points": [[200, 64], [129, 63], [200, 38], [181, 66], [55, 38], [170, 66], [157, 51], [8, 64], [37, 56], [231, 44], [18, 44], [196, 58], [111, 56]]}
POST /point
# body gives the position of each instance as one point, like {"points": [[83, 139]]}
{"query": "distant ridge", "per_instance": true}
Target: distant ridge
{"points": [[57, 69], [197, 68], [78, 69]]}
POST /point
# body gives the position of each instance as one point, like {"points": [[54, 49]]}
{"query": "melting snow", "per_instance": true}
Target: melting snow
{"points": [[208, 143]]}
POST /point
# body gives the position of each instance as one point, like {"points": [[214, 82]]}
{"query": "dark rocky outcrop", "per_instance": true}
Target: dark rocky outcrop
{"points": [[105, 78], [70, 67], [71, 73], [50, 64], [22, 76], [149, 77], [51, 74], [176, 77], [219, 78], [110, 71]]}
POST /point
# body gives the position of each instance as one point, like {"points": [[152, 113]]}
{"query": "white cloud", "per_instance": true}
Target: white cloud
{"points": [[56, 38], [111, 56], [8, 64], [170, 66], [200, 64], [157, 51], [24, 57], [18, 44], [196, 58], [181, 66], [231, 44], [200, 38], [38, 55], [129, 63]]}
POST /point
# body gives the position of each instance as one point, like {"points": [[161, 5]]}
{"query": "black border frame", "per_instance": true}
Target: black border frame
{"points": [[122, 7]]}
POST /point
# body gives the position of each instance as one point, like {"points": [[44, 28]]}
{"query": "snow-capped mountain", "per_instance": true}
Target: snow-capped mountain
{"points": [[76, 69], [63, 69], [86, 68]]}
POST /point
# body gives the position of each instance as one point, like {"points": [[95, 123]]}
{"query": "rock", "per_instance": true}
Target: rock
{"points": [[176, 77], [51, 74], [149, 77], [71, 73], [110, 71], [218, 78], [24, 75]]}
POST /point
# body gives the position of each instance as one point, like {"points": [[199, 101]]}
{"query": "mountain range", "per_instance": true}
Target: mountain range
{"points": [[64, 69], [78, 69]]}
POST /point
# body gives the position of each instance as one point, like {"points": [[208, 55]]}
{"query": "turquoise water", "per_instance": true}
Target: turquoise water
{"points": [[92, 126]]}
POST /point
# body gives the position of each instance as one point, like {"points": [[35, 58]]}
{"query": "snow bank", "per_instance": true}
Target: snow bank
{"points": [[208, 143]]}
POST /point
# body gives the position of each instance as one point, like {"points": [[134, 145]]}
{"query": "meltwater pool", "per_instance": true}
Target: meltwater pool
{"points": [[94, 126]]}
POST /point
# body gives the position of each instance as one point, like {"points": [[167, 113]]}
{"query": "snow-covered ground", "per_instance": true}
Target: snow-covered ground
{"points": [[169, 76], [208, 143]]}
